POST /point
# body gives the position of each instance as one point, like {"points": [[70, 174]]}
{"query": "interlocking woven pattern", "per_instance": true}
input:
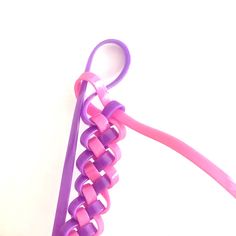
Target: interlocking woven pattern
{"points": [[96, 165]]}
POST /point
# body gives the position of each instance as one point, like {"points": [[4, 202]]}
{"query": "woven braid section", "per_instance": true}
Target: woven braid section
{"points": [[98, 174]]}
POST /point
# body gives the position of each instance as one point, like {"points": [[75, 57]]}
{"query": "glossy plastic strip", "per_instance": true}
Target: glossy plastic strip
{"points": [[65, 186], [179, 146]]}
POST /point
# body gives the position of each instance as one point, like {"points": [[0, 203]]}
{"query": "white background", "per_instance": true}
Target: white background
{"points": [[181, 80]]}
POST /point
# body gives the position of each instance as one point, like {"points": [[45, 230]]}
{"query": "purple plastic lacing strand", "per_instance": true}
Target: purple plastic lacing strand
{"points": [[65, 186]]}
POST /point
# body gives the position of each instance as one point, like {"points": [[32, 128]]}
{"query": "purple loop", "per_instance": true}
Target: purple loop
{"points": [[80, 181], [83, 159], [101, 184], [85, 136], [104, 160], [84, 114], [111, 107], [108, 136], [126, 63], [87, 230], [94, 209], [75, 205], [68, 227]]}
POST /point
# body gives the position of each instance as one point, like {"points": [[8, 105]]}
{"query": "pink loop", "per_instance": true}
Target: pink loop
{"points": [[96, 82], [96, 147], [91, 171], [82, 217], [101, 121], [89, 193]]}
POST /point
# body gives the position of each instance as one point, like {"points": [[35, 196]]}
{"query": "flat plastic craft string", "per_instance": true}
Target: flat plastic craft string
{"points": [[67, 173], [117, 116]]}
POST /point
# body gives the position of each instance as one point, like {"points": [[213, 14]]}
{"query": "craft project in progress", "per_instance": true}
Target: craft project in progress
{"points": [[105, 128]]}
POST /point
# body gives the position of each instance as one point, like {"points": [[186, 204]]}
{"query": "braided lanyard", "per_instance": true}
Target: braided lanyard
{"points": [[106, 128]]}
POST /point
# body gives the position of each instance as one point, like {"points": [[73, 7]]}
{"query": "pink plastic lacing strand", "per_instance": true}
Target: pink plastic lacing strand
{"points": [[182, 148]]}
